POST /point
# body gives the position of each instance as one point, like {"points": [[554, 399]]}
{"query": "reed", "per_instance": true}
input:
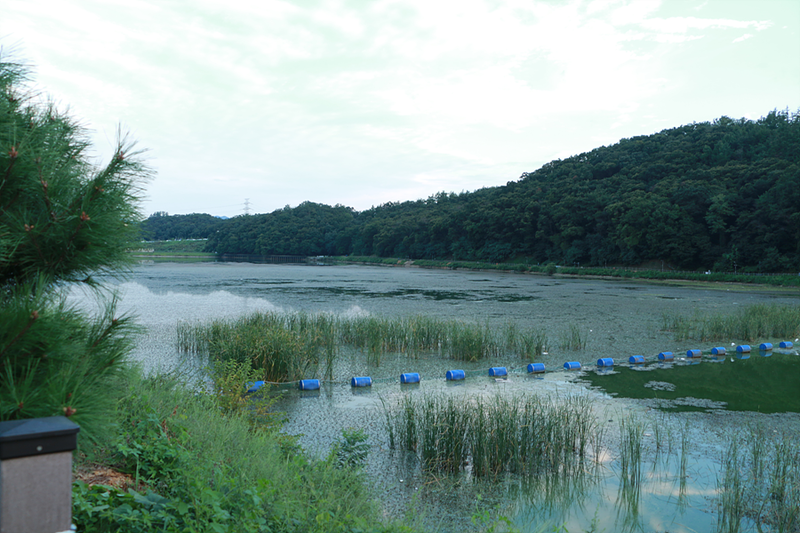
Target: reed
{"points": [[573, 338], [767, 490], [495, 434], [631, 437], [682, 499], [279, 350], [759, 321], [532, 344], [313, 341], [731, 489], [630, 460], [782, 508]]}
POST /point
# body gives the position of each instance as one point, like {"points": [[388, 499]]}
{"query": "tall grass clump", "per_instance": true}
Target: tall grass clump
{"points": [[573, 338], [731, 489], [631, 438], [758, 321], [280, 347], [532, 344], [630, 460], [287, 346], [760, 480], [490, 435]]}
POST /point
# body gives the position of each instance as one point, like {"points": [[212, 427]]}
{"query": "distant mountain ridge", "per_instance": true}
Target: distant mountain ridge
{"points": [[722, 195]]}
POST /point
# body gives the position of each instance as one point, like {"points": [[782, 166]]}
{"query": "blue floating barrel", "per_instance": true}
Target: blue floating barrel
{"points": [[786, 344], [497, 371], [605, 361], [411, 377], [572, 365], [765, 346], [455, 375], [666, 356], [694, 353], [363, 381], [636, 359], [309, 384], [743, 348], [536, 368], [719, 350], [254, 386]]}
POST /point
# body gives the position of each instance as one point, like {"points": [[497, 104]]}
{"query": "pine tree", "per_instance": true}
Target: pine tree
{"points": [[64, 222]]}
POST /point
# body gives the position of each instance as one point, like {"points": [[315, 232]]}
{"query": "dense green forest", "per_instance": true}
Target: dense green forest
{"points": [[719, 195], [163, 227]]}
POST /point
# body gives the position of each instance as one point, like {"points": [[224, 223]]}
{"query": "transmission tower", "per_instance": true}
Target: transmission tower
{"points": [[247, 206]]}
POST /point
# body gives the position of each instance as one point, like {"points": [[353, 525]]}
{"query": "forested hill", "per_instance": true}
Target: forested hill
{"points": [[698, 196], [162, 227]]}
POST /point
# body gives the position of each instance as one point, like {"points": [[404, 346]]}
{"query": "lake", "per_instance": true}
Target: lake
{"points": [[618, 318]]}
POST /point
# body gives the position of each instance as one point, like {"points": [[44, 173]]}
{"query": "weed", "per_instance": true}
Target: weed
{"points": [[573, 338], [754, 322], [493, 434]]}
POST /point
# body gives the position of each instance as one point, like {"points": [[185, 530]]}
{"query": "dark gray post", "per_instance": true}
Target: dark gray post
{"points": [[36, 474]]}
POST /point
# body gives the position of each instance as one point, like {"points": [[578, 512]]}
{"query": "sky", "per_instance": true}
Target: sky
{"points": [[247, 107]]}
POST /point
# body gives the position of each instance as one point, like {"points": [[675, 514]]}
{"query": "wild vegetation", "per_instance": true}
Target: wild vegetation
{"points": [[290, 346], [197, 462], [494, 434], [160, 226], [718, 195], [760, 321], [759, 481]]}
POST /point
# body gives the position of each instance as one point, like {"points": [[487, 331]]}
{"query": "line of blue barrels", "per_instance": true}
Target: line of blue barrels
{"points": [[533, 368], [414, 377], [690, 354]]}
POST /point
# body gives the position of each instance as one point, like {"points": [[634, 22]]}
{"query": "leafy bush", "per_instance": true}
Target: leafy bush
{"points": [[207, 471]]}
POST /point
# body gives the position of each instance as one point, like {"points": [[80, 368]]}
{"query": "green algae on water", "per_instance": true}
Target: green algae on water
{"points": [[760, 384]]}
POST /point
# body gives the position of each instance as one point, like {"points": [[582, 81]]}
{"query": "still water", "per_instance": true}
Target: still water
{"points": [[619, 319]]}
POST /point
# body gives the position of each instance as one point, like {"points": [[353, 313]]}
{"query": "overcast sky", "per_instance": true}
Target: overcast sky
{"points": [[366, 102]]}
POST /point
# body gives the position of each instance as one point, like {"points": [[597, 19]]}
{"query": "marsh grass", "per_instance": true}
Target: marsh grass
{"points": [[573, 338], [759, 321], [490, 435], [288, 346], [630, 451], [531, 344], [682, 477], [279, 350], [630, 460], [759, 480], [731, 488]]}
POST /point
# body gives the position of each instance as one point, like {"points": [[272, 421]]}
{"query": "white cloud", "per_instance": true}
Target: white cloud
{"points": [[282, 100], [685, 24]]}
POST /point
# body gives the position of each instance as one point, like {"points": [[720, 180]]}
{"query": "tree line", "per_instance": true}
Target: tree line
{"points": [[719, 195]]}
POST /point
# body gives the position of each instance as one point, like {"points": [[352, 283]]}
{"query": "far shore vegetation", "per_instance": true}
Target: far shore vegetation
{"points": [[194, 248]]}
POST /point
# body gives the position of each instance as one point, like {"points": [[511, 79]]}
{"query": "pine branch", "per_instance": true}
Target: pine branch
{"points": [[34, 317]]}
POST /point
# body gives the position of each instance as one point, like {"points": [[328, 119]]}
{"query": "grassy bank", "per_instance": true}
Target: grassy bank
{"points": [[782, 280], [202, 462], [187, 248]]}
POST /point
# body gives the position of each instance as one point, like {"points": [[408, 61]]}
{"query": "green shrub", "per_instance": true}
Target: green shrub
{"points": [[204, 470]]}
